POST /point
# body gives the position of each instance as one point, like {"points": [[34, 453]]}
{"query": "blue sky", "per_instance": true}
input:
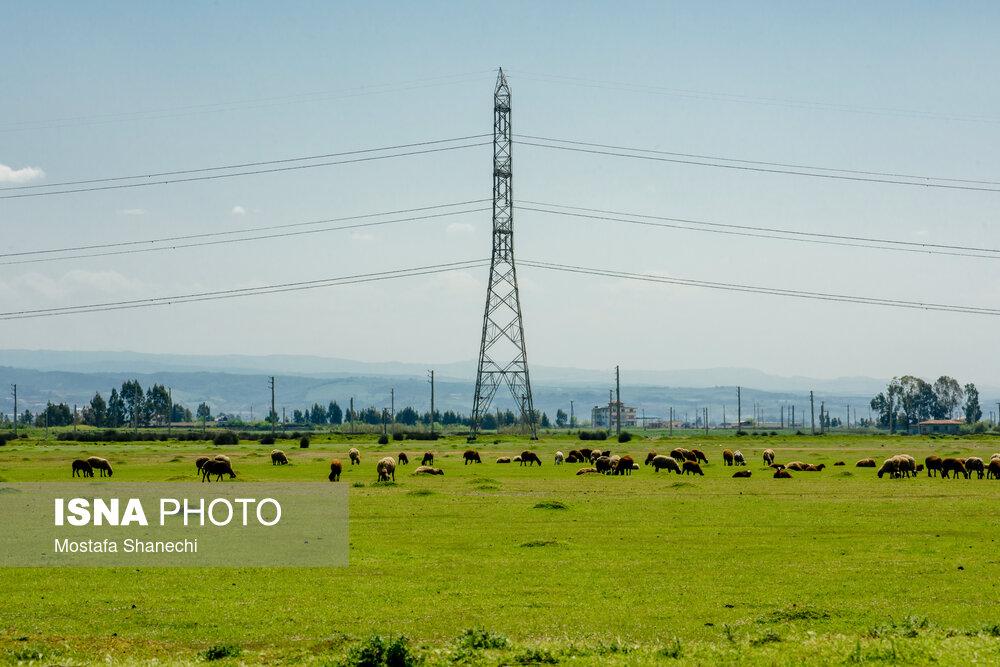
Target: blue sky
{"points": [[100, 90]]}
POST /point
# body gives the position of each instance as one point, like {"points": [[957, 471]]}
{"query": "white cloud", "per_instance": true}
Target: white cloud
{"points": [[239, 210], [358, 236], [133, 211], [24, 175], [460, 228]]}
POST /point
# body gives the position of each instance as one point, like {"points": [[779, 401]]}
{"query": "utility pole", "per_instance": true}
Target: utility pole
{"points": [[392, 410], [283, 420], [170, 409], [723, 415], [812, 412], [782, 422], [671, 420], [272, 417], [611, 405], [352, 415], [739, 410], [822, 418], [644, 419], [706, 421], [432, 402], [572, 417], [618, 400], [15, 409], [74, 419]]}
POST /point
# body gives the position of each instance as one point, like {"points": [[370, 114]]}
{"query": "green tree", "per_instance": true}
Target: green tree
{"points": [[116, 410], [204, 412], [98, 413], [973, 412], [297, 417], [134, 399], [27, 418], [407, 416], [156, 405], [318, 414], [178, 413], [334, 414], [949, 396], [545, 421], [562, 419]]}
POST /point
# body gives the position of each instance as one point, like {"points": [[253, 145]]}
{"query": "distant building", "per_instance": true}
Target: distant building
{"points": [[665, 423], [599, 417], [939, 426]]}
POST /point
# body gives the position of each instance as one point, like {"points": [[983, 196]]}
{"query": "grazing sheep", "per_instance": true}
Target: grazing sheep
{"points": [[428, 459], [427, 470], [782, 474], [624, 466], [402, 459], [586, 451], [97, 463], [516, 459], [222, 457], [889, 466], [386, 468], [907, 465], [649, 458], [635, 466], [82, 467], [974, 464], [738, 458], [690, 456], [559, 458], [866, 463], [951, 465], [768, 457], [699, 455], [355, 456], [503, 459], [603, 464], [993, 470], [678, 454], [529, 457], [614, 460], [586, 471], [202, 460], [471, 456], [660, 461], [933, 464], [606, 452], [840, 463], [576, 456], [693, 468], [217, 468], [741, 473], [278, 458], [335, 469], [727, 457], [995, 457], [920, 467]]}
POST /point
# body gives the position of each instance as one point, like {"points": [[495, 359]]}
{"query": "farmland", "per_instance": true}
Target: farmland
{"points": [[543, 566]]}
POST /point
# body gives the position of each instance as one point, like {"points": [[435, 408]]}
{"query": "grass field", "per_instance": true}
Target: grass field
{"points": [[499, 564]]}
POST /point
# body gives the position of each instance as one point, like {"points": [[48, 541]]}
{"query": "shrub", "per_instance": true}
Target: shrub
{"points": [[674, 651], [480, 638], [584, 435], [267, 440], [535, 656], [220, 651], [740, 433], [226, 438], [304, 442], [397, 436], [422, 436], [383, 439], [774, 433], [379, 652], [624, 436]]}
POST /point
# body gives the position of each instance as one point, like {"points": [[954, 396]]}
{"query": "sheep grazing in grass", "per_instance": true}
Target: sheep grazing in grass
{"points": [[624, 466], [428, 459], [83, 468], [335, 469], [559, 458], [606, 452], [993, 469], [503, 459], [866, 463], [889, 467], [386, 468], [727, 457], [678, 454], [217, 468], [355, 456], [768, 457], [602, 464], [920, 467], [516, 459], [699, 455], [782, 474], [907, 465], [278, 458], [586, 452], [690, 456], [840, 463], [660, 462], [471, 456], [576, 456], [974, 464], [202, 460], [594, 455], [97, 463], [738, 458], [953, 465], [693, 468], [402, 459], [995, 457], [427, 470], [586, 471], [741, 473], [222, 457], [529, 457], [649, 458]]}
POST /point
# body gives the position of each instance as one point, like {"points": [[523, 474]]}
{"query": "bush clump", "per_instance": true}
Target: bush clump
{"points": [[226, 438], [383, 439], [397, 436], [220, 651], [624, 436], [593, 435], [480, 639], [379, 652], [423, 436], [304, 442], [267, 440]]}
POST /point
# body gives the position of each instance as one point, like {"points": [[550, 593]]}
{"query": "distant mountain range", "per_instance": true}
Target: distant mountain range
{"points": [[227, 384]]}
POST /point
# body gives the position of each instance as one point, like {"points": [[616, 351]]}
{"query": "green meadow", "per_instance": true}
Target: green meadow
{"points": [[503, 565]]}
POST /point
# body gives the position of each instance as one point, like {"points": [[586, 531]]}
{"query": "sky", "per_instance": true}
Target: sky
{"points": [[107, 90]]}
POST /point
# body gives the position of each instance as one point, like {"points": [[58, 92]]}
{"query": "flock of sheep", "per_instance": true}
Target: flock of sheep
{"points": [[680, 460]]}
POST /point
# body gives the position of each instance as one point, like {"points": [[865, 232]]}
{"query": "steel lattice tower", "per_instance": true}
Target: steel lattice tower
{"points": [[502, 357]]}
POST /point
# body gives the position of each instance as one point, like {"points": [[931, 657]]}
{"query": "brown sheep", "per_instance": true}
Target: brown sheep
{"points": [[782, 474], [471, 456], [355, 456], [678, 454], [503, 459], [529, 457], [335, 469], [699, 455], [866, 463], [602, 464], [516, 459], [660, 461], [223, 457], [814, 468], [649, 458], [840, 463], [217, 468], [606, 452], [202, 460], [428, 459], [768, 457], [386, 468], [586, 452], [402, 459], [777, 466], [624, 466], [741, 473], [693, 468], [727, 457], [690, 456], [974, 464], [993, 469], [97, 463], [953, 465], [586, 471], [278, 458], [890, 466], [575, 456], [82, 467], [427, 470], [796, 465]]}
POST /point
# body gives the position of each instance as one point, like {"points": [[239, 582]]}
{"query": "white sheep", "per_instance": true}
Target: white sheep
{"points": [[386, 468], [97, 463], [660, 461], [738, 458], [355, 455], [223, 457], [768, 457], [559, 458]]}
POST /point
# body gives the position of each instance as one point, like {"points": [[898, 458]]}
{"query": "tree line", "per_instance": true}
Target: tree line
{"points": [[909, 400]]}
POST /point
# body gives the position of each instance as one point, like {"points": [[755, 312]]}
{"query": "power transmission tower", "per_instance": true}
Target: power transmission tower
{"points": [[14, 386], [618, 400], [502, 356]]}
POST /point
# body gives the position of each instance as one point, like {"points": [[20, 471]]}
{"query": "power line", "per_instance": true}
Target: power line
{"points": [[772, 291], [246, 291], [242, 173], [173, 239], [657, 156], [766, 232]]}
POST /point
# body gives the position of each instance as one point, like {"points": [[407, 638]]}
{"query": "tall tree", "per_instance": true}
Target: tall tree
{"points": [[318, 414], [407, 416], [203, 412], [334, 413], [98, 412], [561, 418], [116, 410], [973, 412], [949, 396], [133, 397], [156, 405]]}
